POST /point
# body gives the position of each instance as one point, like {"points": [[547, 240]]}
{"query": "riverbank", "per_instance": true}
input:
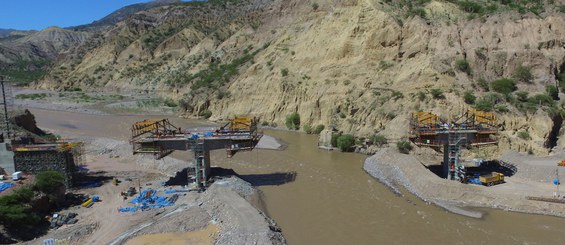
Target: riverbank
{"points": [[408, 172]]}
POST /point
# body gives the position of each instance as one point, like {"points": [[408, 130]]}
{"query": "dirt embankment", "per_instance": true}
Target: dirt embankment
{"points": [[409, 172]]}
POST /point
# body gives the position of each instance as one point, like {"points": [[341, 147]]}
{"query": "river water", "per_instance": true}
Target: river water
{"points": [[324, 197]]}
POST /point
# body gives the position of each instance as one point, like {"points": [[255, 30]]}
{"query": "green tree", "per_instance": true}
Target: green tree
{"points": [[49, 181], [504, 86], [15, 210], [293, 121], [345, 142]]}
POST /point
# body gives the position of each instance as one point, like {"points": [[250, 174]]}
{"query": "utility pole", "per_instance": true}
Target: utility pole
{"points": [[4, 103]]}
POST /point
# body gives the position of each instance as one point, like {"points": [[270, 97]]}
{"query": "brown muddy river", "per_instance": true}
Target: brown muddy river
{"points": [[331, 200]]}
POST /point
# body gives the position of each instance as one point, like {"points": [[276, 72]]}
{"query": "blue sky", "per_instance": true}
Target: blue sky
{"points": [[39, 14]]}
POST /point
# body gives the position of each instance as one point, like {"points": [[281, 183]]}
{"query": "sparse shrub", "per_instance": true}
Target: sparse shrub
{"points": [[319, 129], [523, 74], [404, 146], [437, 93], [561, 79], [421, 95], [383, 64], [315, 6], [293, 121], [469, 98], [206, 114], [530, 150], [525, 135], [463, 65], [397, 95], [552, 91], [379, 140], [418, 11], [541, 99], [346, 82], [471, 6], [284, 72], [342, 115], [522, 96], [501, 108], [223, 94], [345, 142], [483, 84], [504, 85], [264, 123], [274, 124], [334, 139], [307, 128], [390, 115], [484, 104], [170, 103]]}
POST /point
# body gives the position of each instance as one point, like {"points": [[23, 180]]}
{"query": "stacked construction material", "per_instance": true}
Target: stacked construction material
{"points": [[148, 199], [59, 220]]}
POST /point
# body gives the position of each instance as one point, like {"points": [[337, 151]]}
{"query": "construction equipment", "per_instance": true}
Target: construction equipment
{"points": [[561, 163], [160, 138], [492, 179], [473, 128]]}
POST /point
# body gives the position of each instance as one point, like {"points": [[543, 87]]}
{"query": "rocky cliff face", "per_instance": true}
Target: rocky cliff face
{"points": [[359, 65]]}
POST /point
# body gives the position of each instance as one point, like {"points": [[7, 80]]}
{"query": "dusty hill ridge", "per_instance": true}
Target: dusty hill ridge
{"points": [[361, 66]]}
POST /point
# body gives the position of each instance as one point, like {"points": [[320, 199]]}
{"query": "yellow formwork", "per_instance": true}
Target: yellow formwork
{"points": [[242, 123], [482, 117], [426, 118]]}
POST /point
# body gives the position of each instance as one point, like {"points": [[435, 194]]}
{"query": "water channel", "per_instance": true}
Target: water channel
{"points": [[324, 197]]}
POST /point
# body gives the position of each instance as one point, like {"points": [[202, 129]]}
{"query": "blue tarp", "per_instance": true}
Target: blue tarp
{"points": [[5, 186], [475, 181], [148, 201]]}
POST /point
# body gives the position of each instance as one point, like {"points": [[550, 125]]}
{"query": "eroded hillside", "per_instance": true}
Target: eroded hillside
{"points": [[361, 66]]}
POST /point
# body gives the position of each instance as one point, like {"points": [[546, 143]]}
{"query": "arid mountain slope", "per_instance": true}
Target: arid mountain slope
{"points": [[38, 46], [361, 66]]}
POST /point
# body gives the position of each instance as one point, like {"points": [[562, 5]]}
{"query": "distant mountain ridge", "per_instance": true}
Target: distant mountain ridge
{"points": [[122, 14], [22, 51]]}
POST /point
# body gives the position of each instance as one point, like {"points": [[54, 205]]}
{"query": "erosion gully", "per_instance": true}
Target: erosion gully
{"points": [[325, 197]]}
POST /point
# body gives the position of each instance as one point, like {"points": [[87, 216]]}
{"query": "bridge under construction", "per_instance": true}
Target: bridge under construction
{"points": [[472, 129], [160, 138]]}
